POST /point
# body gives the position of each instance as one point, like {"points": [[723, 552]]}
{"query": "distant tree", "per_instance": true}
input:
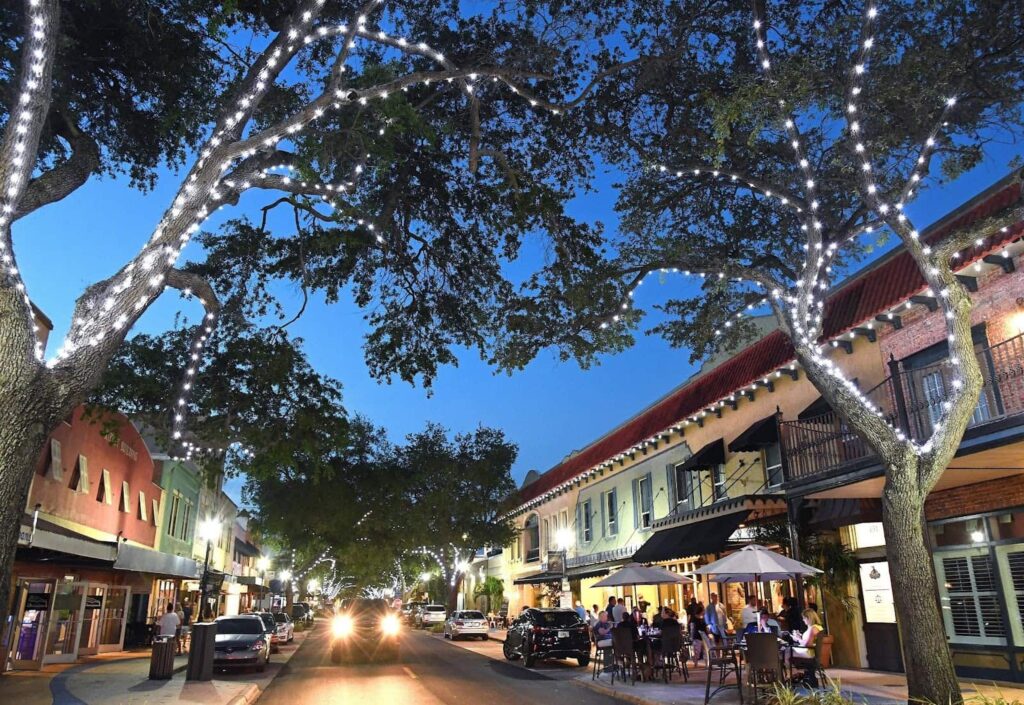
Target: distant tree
{"points": [[491, 589], [765, 162]]}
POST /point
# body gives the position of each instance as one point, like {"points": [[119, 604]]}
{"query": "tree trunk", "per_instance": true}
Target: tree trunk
{"points": [[931, 676], [25, 424]]}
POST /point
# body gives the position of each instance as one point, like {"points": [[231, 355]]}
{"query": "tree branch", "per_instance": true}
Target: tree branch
{"points": [[63, 179]]}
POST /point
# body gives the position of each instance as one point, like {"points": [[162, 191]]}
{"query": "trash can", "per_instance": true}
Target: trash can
{"points": [[201, 652], [161, 661]]}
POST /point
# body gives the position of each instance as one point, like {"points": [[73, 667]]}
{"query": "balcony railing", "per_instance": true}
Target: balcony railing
{"points": [[911, 399]]}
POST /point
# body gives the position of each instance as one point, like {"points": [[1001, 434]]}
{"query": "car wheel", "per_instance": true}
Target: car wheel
{"points": [[510, 655], [584, 661]]}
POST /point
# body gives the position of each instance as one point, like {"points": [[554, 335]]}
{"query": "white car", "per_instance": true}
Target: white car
{"points": [[285, 628], [430, 614], [466, 623]]}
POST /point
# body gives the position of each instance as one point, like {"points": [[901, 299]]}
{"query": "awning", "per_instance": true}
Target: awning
{"points": [[761, 434], [144, 560], [834, 513], [245, 548], [696, 539], [539, 579], [594, 570], [710, 455]]}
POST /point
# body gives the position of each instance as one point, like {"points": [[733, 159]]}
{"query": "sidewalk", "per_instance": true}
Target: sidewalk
{"points": [[871, 687], [123, 678]]}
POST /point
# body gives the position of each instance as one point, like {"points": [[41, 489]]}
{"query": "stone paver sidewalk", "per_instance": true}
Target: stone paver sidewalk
{"points": [[123, 678], [870, 687]]}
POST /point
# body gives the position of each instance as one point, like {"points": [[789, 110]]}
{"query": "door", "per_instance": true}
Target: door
{"points": [[91, 620], [32, 603], [113, 619], [881, 634], [64, 623]]}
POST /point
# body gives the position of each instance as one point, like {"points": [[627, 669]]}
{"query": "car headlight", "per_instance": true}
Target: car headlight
{"points": [[341, 626], [258, 645], [389, 625]]}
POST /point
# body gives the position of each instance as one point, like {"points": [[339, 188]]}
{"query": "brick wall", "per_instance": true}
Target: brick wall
{"points": [[976, 499]]}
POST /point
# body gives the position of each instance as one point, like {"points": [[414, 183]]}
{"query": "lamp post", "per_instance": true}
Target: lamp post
{"points": [[209, 528], [262, 563]]}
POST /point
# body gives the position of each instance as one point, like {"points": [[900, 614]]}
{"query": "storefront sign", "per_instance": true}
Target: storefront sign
{"points": [[869, 534], [37, 601], [877, 589], [93, 602]]}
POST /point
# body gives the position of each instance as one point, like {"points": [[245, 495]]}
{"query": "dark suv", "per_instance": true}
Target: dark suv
{"points": [[547, 633], [365, 629]]}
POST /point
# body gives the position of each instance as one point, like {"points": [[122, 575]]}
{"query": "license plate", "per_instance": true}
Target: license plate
{"points": [[563, 635]]}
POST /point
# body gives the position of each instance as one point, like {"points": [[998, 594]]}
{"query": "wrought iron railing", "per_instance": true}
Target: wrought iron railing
{"points": [[911, 399]]}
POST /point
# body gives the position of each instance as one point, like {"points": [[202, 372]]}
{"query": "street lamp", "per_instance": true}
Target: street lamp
{"points": [[312, 586], [564, 539], [209, 529]]}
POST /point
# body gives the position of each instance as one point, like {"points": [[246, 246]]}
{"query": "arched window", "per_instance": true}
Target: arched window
{"points": [[531, 538]]}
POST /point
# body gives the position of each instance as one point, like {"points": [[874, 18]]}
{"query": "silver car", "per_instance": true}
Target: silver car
{"points": [[466, 623], [430, 614], [241, 641]]}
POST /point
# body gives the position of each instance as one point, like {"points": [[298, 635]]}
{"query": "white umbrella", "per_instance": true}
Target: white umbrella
{"points": [[637, 574], [755, 563]]}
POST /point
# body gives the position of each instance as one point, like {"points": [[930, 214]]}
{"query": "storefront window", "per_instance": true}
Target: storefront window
{"points": [[1009, 526], [966, 532], [970, 603]]}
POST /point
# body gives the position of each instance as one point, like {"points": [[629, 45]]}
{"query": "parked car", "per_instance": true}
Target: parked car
{"points": [[410, 610], [301, 613], [241, 641], [430, 614], [285, 628], [547, 633], [270, 625], [365, 629], [466, 623]]}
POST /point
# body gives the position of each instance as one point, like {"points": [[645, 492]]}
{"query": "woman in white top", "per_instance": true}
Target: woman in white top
{"points": [[803, 642]]}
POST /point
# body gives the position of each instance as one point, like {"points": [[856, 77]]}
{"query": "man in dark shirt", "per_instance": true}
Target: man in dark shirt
{"points": [[186, 609]]}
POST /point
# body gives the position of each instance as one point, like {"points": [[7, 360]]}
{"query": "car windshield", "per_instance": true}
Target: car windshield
{"points": [[433, 608], [367, 605], [471, 615], [280, 617], [239, 626], [565, 618], [268, 620]]}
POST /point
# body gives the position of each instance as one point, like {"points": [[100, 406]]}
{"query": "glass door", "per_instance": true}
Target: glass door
{"points": [[91, 620], [112, 619], [65, 619], [32, 603]]}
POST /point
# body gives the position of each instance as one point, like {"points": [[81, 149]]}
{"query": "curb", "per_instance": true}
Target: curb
{"points": [[248, 696], [617, 694]]}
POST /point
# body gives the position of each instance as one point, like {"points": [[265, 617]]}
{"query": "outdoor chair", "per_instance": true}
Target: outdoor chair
{"points": [[726, 660], [671, 646], [602, 657], [812, 670], [623, 654], [764, 667]]}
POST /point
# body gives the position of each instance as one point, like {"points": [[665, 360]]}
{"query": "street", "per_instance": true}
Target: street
{"points": [[430, 671]]}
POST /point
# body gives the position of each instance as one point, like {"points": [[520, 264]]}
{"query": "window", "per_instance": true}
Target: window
{"points": [[773, 465], [172, 518], [103, 493], [564, 522], [126, 498], [611, 513], [56, 469], [154, 513], [588, 527], [718, 478], [644, 501], [531, 539], [142, 508], [1011, 559], [549, 534], [970, 605], [186, 523], [80, 475]]}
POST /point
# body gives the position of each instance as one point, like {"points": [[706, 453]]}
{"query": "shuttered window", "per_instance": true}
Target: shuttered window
{"points": [[588, 526], [1011, 567], [969, 599]]}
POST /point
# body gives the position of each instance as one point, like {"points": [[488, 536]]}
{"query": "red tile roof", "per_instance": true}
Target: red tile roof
{"points": [[882, 285]]}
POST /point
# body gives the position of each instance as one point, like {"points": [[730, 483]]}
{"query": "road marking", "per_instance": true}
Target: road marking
{"points": [[409, 671]]}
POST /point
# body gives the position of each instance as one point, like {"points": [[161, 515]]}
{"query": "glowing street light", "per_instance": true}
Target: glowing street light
{"points": [[564, 539], [209, 529]]}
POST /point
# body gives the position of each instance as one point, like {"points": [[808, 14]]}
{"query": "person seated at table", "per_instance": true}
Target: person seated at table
{"points": [[791, 616], [603, 636], [763, 625], [697, 627], [660, 616], [638, 618], [748, 615], [803, 642]]}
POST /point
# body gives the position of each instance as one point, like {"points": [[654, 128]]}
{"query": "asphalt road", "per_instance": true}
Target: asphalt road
{"points": [[429, 672]]}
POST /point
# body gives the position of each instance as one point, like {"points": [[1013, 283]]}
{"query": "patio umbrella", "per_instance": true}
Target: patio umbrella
{"points": [[755, 563], [636, 574]]}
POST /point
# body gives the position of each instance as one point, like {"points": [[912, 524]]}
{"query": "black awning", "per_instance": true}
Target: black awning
{"points": [[539, 579], [834, 513], [761, 434], [696, 539], [710, 455], [594, 570]]}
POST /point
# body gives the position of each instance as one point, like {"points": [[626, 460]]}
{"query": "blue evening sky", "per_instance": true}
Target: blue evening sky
{"points": [[549, 409]]}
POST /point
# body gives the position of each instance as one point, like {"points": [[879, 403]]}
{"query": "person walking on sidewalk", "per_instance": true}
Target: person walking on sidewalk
{"points": [[169, 623]]}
